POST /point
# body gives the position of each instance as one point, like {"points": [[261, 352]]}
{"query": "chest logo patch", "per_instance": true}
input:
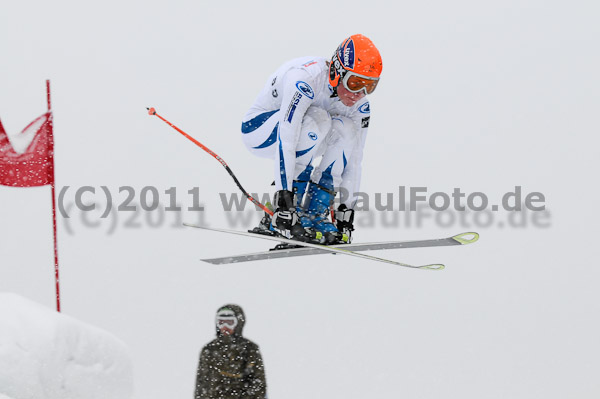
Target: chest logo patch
{"points": [[305, 89], [365, 108]]}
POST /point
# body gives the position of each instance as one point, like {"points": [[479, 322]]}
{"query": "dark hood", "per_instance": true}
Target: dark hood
{"points": [[239, 314]]}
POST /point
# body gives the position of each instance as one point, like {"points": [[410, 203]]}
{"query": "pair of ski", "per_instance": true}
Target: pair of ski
{"points": [[298, 248], [310, 248]]}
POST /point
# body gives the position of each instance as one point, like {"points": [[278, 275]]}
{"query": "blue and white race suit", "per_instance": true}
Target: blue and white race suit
{"points": [[296, 119]]}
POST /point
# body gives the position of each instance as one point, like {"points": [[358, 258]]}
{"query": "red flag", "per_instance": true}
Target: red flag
{"points": [[34, 167]]}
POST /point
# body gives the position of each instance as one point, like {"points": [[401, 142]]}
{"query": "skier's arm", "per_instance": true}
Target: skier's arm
{"points": [[294, 104], [257, 384], [352, 174], [202, 378]]}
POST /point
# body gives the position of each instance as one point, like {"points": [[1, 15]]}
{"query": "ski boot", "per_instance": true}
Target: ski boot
{"points": [[315, 215]]}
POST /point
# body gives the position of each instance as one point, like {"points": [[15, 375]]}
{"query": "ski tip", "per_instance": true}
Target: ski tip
{"points": [[435, 266], [466, 238], [151, 111]]}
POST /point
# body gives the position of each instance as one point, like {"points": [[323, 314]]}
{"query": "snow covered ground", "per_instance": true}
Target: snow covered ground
{"points": [[483, 96], [48, 355]]}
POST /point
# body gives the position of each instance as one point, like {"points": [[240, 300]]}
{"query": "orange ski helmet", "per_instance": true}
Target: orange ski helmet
{"points": [[359, 56]]}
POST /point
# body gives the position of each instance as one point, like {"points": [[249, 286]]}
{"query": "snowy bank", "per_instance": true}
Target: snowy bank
{"points": [[49, 355]]}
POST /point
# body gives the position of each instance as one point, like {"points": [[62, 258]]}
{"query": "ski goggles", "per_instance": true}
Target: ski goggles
{"points": [[227, 321], [356, 83]]}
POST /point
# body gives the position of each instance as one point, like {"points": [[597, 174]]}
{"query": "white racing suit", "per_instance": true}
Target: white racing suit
{"points": [[297, 118]]}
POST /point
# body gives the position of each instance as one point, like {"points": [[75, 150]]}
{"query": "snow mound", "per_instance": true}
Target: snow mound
{"points": [[48, 355]]}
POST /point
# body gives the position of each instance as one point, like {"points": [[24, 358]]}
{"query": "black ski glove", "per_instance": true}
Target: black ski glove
{"points": [[344, 219], [285, 216]]}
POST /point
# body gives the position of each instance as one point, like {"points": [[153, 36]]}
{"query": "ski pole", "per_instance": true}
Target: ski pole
{"points": [[152, 111]]}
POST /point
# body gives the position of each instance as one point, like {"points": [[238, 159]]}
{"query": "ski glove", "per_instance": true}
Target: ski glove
{"points": [[344, 219], [285, 220], [285, 216]]}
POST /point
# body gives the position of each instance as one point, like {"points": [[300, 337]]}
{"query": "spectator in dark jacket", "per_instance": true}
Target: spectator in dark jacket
{"points": [[231, 366]]}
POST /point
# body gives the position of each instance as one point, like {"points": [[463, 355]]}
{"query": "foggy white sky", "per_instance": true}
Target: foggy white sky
{"points": [[478, 95]]}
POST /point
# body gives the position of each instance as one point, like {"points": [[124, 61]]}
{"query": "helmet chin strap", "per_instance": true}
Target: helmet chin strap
{"points": [[335, 93]]}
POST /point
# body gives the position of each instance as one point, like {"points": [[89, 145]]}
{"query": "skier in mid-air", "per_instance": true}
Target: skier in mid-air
{"points": [[311, 108]]}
